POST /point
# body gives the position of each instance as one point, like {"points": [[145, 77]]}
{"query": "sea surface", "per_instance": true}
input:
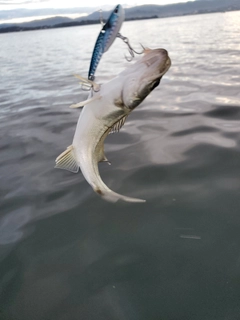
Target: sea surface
{"points": [[66, 254]]}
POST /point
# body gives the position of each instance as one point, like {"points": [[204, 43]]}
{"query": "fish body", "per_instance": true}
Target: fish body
{"points": [[107, 110], [106, 37]]}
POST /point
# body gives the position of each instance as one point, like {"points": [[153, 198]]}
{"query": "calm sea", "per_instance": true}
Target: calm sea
{"points": [[66, 254]]}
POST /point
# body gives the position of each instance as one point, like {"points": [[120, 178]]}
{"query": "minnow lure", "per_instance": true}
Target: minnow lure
{"points": [[106, 37]]}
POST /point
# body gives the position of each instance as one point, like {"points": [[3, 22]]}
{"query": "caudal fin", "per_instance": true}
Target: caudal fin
{"points": [[112, 196]]}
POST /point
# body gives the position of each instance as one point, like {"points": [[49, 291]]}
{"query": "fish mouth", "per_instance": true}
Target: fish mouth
{"points": [[162, 71], [158, 63], [166, 66], [165, 61], [157, 60], [147, 75]]}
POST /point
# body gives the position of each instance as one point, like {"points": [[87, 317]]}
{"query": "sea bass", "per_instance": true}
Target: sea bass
{"points": [[105, 111]]}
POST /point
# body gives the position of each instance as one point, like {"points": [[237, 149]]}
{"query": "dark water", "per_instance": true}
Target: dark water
{"points": [[65, 253]]}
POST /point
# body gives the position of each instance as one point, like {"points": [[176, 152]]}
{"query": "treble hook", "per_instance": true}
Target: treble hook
{"points": [[130, 48]]}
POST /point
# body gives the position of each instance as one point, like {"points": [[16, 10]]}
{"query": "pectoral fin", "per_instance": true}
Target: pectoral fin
{"points": [[67, 161], [83, 103], [99, 151], [103, 158]]}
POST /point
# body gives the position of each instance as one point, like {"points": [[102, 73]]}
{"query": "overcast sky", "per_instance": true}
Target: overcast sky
{"points": [[34, 4]]}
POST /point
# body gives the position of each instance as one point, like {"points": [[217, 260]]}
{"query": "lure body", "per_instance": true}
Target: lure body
{"points": [[106, 37]]}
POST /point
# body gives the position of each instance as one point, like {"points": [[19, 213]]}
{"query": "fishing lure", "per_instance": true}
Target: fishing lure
{"points": [[106, 37]]}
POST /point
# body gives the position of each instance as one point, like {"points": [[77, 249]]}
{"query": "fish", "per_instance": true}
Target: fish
{"points": [[106, 111], [106, 37]]}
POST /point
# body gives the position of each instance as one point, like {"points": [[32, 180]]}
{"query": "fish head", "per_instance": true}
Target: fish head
{"points": [[144, 76]]}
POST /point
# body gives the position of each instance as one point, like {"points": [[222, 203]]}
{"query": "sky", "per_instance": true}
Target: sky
{"points": [[13, 16], [35, 4]]}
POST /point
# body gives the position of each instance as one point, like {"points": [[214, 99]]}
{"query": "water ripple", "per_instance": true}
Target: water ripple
{"points": [[67, 254]]}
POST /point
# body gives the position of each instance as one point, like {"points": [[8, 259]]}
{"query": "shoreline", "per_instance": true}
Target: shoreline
{"points": [[18, 28]]}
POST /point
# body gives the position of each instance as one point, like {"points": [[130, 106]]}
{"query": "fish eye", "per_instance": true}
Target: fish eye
{"points": [[155, 84]]}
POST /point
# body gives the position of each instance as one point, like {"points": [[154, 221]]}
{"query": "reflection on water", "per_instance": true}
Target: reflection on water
{"points": [[67, 254]]}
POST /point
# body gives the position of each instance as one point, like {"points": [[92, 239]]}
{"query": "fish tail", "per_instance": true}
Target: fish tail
{"points": [[112, 196]]}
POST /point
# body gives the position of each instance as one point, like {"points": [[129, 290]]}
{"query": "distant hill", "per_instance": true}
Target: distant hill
{"points": [[187, 8], [23, 13], [139, 12], [46, 22], [191, 7]]}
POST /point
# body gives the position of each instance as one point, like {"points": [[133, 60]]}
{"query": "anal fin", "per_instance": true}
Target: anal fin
{"points": [[67, 161]]}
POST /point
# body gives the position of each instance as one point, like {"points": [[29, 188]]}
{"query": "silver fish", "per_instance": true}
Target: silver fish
{"points": [[107, 111]]}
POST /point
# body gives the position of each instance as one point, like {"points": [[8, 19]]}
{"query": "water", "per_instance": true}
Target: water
{"points": [[65, 253]]}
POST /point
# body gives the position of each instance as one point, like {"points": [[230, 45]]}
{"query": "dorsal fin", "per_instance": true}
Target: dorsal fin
{"points": [[118, 125], [67, 161]]}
